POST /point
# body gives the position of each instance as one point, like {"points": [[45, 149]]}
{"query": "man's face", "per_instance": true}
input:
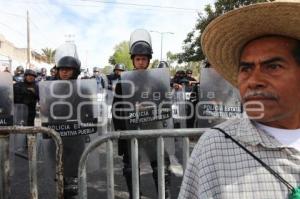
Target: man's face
{"points": [[65, 73], [30, 78], [95, 73], [53, 72], [118, 72], [269, 75], [141, 62]]}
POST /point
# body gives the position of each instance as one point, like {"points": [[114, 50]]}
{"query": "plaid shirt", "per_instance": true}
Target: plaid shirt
{"points": [[219, 168]]}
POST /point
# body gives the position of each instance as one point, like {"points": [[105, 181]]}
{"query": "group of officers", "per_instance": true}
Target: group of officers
{"points": [[68, 68]]}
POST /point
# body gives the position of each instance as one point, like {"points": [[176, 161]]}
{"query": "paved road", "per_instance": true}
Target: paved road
{"points": [[96, 177]]}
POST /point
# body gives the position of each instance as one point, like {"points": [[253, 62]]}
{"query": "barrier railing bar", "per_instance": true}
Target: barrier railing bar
{"points": [[135, 169], [110, 169], [161, 165], [59, 149], [4, 167], [185, 151], [32, 159], [128, 134]]}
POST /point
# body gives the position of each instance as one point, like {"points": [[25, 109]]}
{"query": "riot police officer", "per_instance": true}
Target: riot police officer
{"points": [[163, 64], [113, 77], [41, 74], [68, 68], [192, 81], [141, 54], [19, 74], [27, 93], [99, 78], [53, 74]]}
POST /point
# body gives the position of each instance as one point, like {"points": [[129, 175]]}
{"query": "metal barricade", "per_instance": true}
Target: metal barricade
{"points": [[32, 132], [134, 135]]}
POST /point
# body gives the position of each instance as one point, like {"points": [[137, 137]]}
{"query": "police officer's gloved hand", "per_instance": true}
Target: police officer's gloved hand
{"points": [[70, 187]]}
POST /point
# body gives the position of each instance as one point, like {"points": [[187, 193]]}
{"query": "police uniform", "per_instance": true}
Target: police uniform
{"points": [[138, 47], [27, 93]]}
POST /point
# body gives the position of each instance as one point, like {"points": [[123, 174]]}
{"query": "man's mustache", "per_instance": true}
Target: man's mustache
{"points": [[258, 93]]}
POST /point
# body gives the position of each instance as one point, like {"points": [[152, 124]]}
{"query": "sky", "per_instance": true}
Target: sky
{"points": [[97, 26]]}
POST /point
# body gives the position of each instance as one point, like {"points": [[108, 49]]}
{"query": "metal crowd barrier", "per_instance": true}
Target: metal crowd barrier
{"points": [[134, 135], [31, 133]]}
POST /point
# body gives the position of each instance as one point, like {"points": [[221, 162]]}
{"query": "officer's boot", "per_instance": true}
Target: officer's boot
{"points": [[167, 178], [70, 187]]}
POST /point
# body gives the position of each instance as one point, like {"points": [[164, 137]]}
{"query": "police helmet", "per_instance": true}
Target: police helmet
{"points": [[96, 69], [53, 69], [30, 72], [140, 43], [69, 62], [119, 67], [43, 71], [163, 64], [141, 48], [20, 70]]}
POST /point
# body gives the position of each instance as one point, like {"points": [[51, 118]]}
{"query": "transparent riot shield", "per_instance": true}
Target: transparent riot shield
{"points": [[218, 100], [20, 114], [148, 104], [147, 94], [179, 108], [71, 108], [20, 140], [6, 102]]}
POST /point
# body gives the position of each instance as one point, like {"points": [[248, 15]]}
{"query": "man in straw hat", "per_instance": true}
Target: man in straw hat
{"points": [[257, 49]]}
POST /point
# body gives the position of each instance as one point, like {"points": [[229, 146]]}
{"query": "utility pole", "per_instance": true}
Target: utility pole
{"points": [[161, 40], [28, 42]]}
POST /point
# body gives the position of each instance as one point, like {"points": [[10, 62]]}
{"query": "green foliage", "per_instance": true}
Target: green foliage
{"points": [[171, 58], [107, 70], [49, 55], [154, 63], [121, 55], [192, 47]]}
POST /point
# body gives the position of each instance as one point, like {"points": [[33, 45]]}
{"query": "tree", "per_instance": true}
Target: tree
{"points": [[154, 63], [49, 54], [107, 70], [171, 58], [192, 50], [121, 55]]}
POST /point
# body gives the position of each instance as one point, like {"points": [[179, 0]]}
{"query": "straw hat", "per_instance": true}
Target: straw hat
{"points": [[224, 38]]}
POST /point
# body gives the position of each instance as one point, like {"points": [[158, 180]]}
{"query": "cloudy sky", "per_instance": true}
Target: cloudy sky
{"points": [[97, 26]]}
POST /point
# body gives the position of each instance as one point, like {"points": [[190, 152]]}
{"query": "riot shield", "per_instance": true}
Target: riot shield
{"points": [[147, 94], [147, 104], [6, 107], [69, 107], [179, 108], [20, 140], [218, 100], [20, 114], [6, 102]]}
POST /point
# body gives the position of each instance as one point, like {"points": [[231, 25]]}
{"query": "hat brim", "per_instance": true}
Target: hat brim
{"points": [[224, 38]]}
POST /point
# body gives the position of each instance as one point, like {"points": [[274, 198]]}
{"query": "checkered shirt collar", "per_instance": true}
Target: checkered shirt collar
{"points": [[245, 131]]}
